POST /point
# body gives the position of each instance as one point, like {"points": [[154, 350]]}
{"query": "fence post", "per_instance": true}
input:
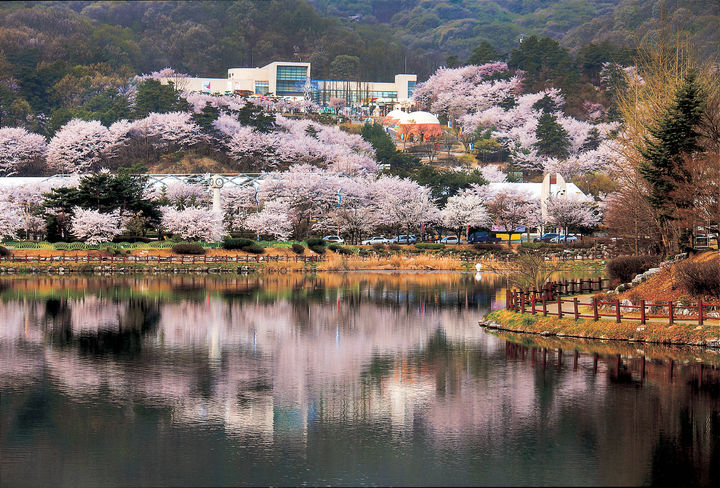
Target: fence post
{"points": [[532, 307], [559, 305], [617, 310], [507, 299], [522, 302], [544, 301], [671, 312], [700, 312], [575, 304], [596, 314], [642, 312]]}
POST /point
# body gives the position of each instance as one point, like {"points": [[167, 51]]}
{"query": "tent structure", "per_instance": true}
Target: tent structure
{"points": [[424, 124]]}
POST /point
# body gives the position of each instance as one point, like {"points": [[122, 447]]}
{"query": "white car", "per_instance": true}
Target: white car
{"points": [[450, 240], [334, 239], [375, 240]]}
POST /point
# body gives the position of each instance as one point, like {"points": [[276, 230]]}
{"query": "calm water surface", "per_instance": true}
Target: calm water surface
{"points": [[339, 379]]}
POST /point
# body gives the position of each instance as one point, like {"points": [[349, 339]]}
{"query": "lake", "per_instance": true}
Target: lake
{"points": [[331, 379]]}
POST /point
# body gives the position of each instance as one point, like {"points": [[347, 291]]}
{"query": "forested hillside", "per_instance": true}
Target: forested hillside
{"points": [[60, 60]]}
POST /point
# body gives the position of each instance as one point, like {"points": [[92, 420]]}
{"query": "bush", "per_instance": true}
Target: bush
{"points": [[254, 249], [624, 268], [317, 249], [298, 249], [188, 249], [334, 247], [130, 239], [700, 279], [378, 246], [315, 241], [430, 245], [229, 243], [395, 247], [4, 251], [343, 250]]}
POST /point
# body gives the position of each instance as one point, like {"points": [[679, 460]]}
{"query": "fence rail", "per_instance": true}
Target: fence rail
{"points": [[160, 259], [549, 302]]}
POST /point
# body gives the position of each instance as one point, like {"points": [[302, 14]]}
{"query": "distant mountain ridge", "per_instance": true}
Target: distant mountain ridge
{"points": [[457, 26]]}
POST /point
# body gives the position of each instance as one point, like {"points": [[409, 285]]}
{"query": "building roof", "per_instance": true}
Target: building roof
{"points": [[421, 118], [533, 189]]}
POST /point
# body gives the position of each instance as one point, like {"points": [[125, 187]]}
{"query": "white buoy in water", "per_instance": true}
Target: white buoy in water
{"points": [[478, 267]]}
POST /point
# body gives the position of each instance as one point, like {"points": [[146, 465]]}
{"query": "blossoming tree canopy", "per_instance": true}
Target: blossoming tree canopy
{"points": [[193, 223], [20, 150], [95, 227]]}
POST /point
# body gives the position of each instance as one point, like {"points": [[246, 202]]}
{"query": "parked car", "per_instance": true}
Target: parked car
{"points": [[375, 240], [450, 240], [571, 238], [404, 239], [558, 239], [335, 239], [482, 237], [547, 237]]}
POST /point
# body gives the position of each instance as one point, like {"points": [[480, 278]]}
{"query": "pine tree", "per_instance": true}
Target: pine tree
{"points": [[553, 140], [671, 139], [592, 141]]}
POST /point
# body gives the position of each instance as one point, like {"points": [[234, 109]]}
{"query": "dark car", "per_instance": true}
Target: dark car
{"points": [[482, 237]]}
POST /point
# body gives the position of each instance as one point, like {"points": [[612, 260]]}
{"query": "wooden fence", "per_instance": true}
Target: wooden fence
{"points": [[550, 302], [160, 259]]}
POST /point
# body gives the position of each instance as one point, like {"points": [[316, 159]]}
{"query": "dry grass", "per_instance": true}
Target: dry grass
{"points": [[656, 332], [338, 262]]}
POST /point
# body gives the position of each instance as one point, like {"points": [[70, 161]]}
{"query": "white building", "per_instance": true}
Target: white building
{"points": [[292, 79]]}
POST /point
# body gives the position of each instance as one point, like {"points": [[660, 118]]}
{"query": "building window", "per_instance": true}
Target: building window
{"points": [[411, 87], [290, 80], [262, 87]]}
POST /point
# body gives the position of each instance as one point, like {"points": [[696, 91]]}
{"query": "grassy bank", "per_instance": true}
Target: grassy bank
{"points": [[652, 332]]}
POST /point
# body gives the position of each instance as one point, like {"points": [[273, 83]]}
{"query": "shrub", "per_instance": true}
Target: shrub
{"points": [[624, 268], [378, 246], [395, 247], [700, 278], [334, 247], [229, 243], [318, 249], [129, 239], [298, 248], [315, 241], [254, 249], [4, 251], [188, 249], [343, 250], [430, 245]]}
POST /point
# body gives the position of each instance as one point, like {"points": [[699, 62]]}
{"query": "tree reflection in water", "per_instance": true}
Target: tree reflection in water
{"points": [[335, 379]]}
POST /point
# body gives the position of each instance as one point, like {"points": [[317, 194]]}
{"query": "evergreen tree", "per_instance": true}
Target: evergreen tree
{"points": [[484, 53], [592, 141], [256, 117], [671, 139], [553, 140], [206, 117], [153, 96]]}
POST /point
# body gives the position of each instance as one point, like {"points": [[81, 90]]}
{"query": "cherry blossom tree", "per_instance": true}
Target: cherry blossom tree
{"points": [[571, 212], [463, 211], [95, 227], [272, 220], [402, 204], [20, 151], [193, 223], [238, 202], [11, 220], [512, 208], [78, 147], [171, 130], [493, 174]]}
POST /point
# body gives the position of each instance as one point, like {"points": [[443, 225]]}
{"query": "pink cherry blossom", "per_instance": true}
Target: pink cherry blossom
{"points": [[94, 227], [20, 150], [193, 223]]}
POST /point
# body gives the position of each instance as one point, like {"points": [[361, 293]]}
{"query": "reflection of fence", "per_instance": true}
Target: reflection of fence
{"points": [[161, 259], [549, 302]]}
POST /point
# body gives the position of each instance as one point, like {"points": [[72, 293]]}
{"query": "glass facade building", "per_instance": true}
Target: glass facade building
{"points": [[290, 80]]}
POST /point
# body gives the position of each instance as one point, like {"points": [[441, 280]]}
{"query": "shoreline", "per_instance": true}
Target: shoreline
{"points": [[604, 330]]}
